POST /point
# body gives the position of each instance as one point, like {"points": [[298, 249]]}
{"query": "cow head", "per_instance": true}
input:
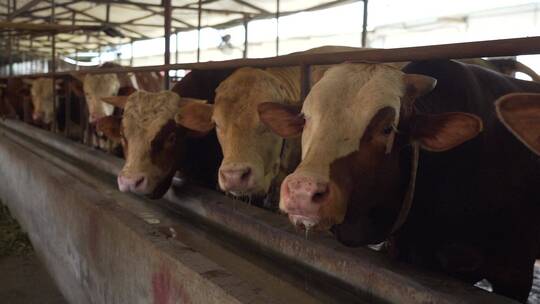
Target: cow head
{"points": [[42, 100], [251, 153], [152, 142], [357, 126], [95, 87], [520, 113]]}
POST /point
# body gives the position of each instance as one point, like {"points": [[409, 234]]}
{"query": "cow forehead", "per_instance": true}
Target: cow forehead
{"points": [[101, 84], [146, 113], [341, 105], [42, 87]]}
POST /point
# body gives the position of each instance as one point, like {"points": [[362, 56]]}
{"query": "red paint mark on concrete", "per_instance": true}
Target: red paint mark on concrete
{"points": [[166, 290]]}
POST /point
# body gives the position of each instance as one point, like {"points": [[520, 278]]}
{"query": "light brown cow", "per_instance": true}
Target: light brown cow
{"points": [[520, 113], [255, 159], [95, 87], [42, 100]]}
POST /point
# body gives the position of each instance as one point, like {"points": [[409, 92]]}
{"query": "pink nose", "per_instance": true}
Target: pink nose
{"points": [[93, 118], [236, 178], [137, 184], [37, 116], [304, 195]]}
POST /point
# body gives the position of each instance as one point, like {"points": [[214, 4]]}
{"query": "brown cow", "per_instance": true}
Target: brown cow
{"points": [[386, 153], [155, 147], [255, 160]]}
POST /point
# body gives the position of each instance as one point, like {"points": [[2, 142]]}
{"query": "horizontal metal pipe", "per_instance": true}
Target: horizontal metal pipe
{"points": [[488, 48], [362, 270]]}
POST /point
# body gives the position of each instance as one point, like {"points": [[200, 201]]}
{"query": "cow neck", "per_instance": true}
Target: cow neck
{"points": [[409, 195]]}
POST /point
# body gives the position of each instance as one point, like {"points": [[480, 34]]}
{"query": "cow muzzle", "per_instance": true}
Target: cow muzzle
{"points": [[136, 184], [237, 179], [303, 197]]}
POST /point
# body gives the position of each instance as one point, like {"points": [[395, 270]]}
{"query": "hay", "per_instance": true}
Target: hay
{"points": [[13, 241]]}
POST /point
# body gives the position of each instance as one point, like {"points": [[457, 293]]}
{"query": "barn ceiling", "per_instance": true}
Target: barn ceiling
{"points": [[89, 25]]}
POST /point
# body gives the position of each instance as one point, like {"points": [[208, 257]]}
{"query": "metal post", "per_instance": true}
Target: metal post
{"points": [[67, 103], [167, 17], [10, 42], [53, 68], [199, 31], [177, 55], [364, 24], [305, 81], [131, 55], [76, 59], [246, 23], [277, 27]]}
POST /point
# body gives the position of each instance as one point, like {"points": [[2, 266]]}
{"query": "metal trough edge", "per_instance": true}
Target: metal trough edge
{"points": [[361, 269]]}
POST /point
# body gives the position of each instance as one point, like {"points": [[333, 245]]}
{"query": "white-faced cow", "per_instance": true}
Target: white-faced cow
{"points": [[155, 147], [386, 153]]}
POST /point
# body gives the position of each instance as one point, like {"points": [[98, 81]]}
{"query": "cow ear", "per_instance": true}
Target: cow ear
{"points": [[110, 126], [417, 85], [443, 132], [520, 113], [117, 101], [284, 120], [195, 116]]}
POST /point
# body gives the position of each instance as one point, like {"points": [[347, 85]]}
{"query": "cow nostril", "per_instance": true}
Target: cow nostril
{"points": [[139, 182], [320, 196], [246, 174]]}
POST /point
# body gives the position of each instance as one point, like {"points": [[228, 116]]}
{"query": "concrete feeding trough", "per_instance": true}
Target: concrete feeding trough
{"points": [[194, 246]]}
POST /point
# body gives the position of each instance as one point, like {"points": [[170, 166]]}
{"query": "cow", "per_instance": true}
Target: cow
{"points": [[401, 156], [155, 146], [42, 92], [17, 99], [255, 160], [520, 113]]}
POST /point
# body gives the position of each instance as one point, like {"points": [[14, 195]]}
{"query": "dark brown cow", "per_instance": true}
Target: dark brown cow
{"points": [[155, 147], [363, 127]]}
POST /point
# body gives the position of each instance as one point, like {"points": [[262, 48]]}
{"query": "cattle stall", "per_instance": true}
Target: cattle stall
{"points": [[197, 245]]}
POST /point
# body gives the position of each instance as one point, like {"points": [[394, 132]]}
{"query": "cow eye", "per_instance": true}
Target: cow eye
{"points": [[388, 130], [171, 139]]}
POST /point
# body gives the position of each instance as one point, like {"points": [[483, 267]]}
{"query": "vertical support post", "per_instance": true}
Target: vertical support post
{"points": [[68, 100], [177, 55], [277, 27], [54, 125], [199, 9], [131, 53], [246, 24], [305, 81], [364, 24], [10, 42], [167, 16], [76, 59]]}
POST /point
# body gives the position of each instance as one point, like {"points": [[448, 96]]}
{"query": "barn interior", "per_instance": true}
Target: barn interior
{"points": [[196, 241]]}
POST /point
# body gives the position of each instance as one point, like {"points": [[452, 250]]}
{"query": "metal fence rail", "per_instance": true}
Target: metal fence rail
{"points": [[488, 48]]}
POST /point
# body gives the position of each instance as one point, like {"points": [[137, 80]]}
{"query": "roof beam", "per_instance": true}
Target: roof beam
{"points": [[245, 3], [24, 8]]}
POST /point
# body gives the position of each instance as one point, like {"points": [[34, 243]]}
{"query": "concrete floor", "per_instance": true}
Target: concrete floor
{"points": [[25, 281]]}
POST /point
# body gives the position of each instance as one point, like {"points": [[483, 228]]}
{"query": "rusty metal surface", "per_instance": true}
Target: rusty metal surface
{"points": [[363, 272], [488, 48]]}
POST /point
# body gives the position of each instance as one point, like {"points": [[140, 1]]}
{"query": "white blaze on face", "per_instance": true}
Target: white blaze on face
{"points": [[95, 87], [42, 99], [145, 114], [340, 107]]}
